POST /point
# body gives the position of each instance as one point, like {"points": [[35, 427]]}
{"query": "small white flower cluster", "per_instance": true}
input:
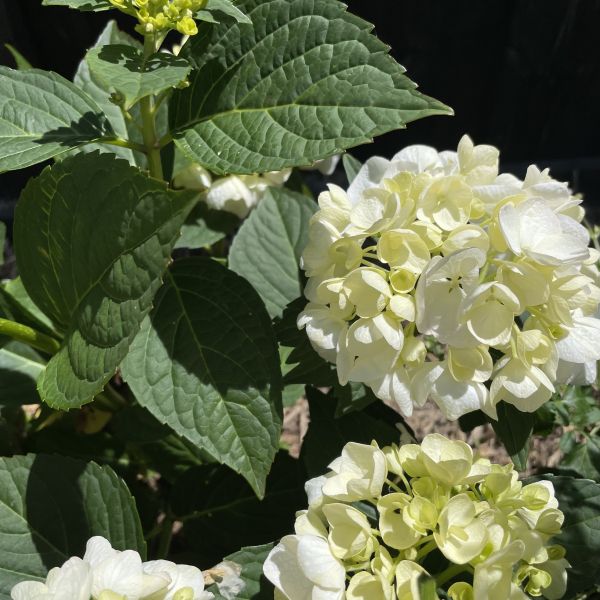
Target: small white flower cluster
{"points": [[378, 515], [436, 250], [108, 574], [239, 194]]}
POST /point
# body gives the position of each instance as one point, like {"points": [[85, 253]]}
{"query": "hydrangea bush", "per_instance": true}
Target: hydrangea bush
{"points": [[177, 285]]}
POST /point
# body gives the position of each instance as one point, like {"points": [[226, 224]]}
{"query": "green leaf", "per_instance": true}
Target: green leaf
{"points": [[206, 226], [20, 366], [327, 435], [205, 363], [302, 364], [125, 70], [267, 249], [514, 428], [43, 115], [21, 308], [584, 458], [306, 80], [50, 506], [214, 10], [21, 62], [85, 5], [93, 237], [427, 588], [351, 166], [256, 586], [101, 95], [352, 397], [579, 499], [221, 513]]}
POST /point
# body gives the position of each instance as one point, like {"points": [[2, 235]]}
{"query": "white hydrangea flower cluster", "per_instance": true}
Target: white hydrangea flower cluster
{"points": [[380, 517], [239, 194], [437, 250], [108, 574]]}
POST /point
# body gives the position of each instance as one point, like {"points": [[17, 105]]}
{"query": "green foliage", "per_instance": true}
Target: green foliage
{"points": [[93, 237], [215, 10], [275, 103], [205, 226], [125, 70], [43, 115], [267, 249], [221, 513], [327, 435], [21, 62], [20, 366], [351, 166], [205, 363], [100, 93], [50, 506], [514, 428], [250, 560], [579, 499], [85, 5]]}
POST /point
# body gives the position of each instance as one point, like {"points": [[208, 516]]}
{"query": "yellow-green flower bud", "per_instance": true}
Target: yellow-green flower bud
{"points": [[365, 586], [350, 534], [461, 590], [395, 531]]}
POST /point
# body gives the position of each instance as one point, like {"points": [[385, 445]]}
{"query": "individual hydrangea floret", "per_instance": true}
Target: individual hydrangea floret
{"points": [[433, 276], [108, 574], [441, 512]]}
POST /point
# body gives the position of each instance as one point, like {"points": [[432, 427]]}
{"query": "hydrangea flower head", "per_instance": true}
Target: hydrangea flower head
{"points": [[438, 250], [481, 532]]}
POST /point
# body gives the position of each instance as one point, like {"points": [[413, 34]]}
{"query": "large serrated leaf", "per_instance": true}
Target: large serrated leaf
{"points": [[267, 249], [214, 10], [304, 81], [43, 115], [514, 428], [127, 71], [579, 499], [93, 237], [122, 127], [206, 363], [256, 586], [50, 506]]}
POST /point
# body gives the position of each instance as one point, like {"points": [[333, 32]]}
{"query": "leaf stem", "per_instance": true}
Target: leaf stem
{"points": [[449, 573], [147, 105], [164, 540], [30, 336], [124, 144]]}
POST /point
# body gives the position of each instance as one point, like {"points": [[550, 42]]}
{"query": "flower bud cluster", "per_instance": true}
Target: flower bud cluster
{"points": [[108, 574], [157, 16], [381, 519], [437, 252]]}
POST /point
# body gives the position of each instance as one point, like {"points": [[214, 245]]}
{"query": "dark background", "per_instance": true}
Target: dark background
{"points": [[523, 75]]}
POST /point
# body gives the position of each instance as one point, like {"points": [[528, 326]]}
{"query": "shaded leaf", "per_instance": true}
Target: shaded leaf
{"points": [[85, 5], [206, 226], [21, 62], [205, 363], [101, 95], [125, 69], [43, 115], [50, 506], [327, 435], [514, 428], [304, 81], [215, 10], [20, 367], [93, 236], [267, 249]]}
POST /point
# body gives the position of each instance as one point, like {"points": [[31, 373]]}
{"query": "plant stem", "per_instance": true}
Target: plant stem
{"points": [[449, 573], [147, 106], [426, 549], [164, 541], [30, 336]]}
